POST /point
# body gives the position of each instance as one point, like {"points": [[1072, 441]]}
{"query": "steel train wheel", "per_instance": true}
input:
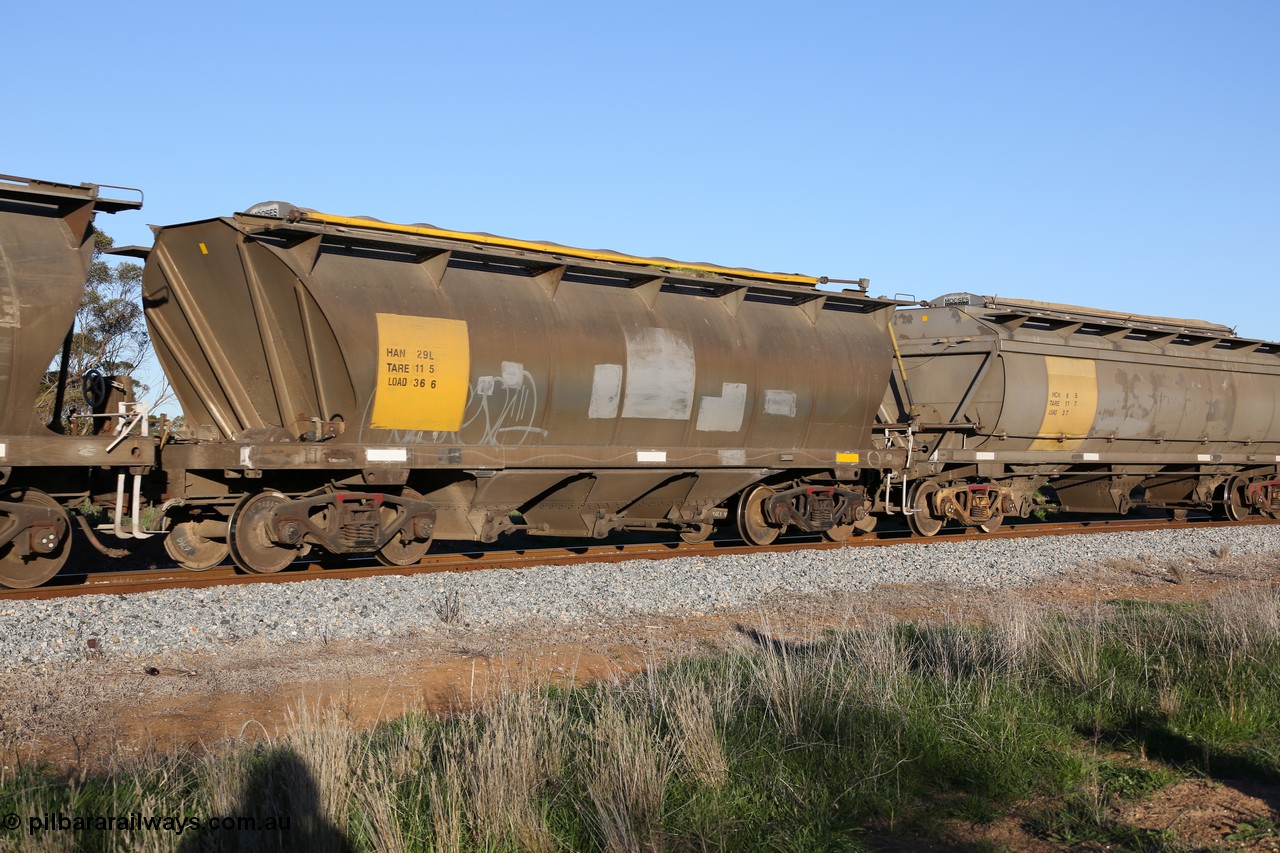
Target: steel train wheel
{"points": [[838, 533], [403, 550], [992, 524], [189, 549], [23, 571], [248, 535], [752, 525], [696, 535], [1234, 506], [867, 524], [922, 522]]}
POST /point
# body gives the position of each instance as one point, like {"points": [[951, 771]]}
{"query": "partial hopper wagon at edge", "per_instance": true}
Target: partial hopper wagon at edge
{"points": [[46, 245], [1007, 398]]}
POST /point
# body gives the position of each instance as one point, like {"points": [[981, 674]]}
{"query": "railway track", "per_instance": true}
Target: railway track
{"points": [[71, 584]]}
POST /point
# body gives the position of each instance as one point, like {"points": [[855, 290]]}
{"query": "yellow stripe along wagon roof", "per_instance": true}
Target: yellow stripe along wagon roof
{"points": [[302, 215]]}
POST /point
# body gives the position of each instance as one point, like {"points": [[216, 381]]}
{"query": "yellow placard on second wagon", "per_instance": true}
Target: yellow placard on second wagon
{"points": [[423, 367], [1071, 403]]}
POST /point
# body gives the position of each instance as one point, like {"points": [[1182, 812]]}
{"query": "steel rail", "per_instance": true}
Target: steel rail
{"points": [[147, 580]]}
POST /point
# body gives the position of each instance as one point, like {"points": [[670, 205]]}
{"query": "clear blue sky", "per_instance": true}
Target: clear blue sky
{"points": [[1115, 154]]}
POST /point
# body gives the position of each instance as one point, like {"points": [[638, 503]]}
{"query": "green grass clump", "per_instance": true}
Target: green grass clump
{"points": [[836, 743]]}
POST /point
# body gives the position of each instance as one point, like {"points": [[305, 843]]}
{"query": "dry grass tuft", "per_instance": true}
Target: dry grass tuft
{"points": [[508, 754], [781, 679], [322, 774], [1246, 618], [1013, 631], [697, 731], [444, 788], [1073, 657], [628, 766], [377, 803]]}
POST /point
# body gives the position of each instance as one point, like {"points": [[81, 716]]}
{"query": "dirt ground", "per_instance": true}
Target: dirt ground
{"points": [[84, 716]]}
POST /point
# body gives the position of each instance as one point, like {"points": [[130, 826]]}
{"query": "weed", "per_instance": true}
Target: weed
{"points": [[1132, 782], [1044, 506], [1080, 820], [93, 513], [449, 607], [1255, 831]]}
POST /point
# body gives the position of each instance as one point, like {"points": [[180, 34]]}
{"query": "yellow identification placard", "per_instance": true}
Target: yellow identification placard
{"points": [[424, 364], [1070, 404]]}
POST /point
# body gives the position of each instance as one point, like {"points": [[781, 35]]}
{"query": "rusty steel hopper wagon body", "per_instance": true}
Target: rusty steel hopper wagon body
{"points": [[365, 387], [46, 245], [1112, 411]]}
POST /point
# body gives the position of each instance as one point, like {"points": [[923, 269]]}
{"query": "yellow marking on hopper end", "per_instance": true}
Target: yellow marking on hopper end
{"points": [[204, 250]]}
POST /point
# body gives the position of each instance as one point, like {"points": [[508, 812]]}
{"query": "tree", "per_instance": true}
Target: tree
{"points": [[110, 334]]}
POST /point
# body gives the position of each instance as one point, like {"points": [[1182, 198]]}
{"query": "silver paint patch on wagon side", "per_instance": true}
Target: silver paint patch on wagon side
{"points": [[606, 391], [660, 375], [723, 413]]}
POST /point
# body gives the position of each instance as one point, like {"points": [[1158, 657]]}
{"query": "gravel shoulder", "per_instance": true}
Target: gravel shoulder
{"points": [[144, 625]]}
